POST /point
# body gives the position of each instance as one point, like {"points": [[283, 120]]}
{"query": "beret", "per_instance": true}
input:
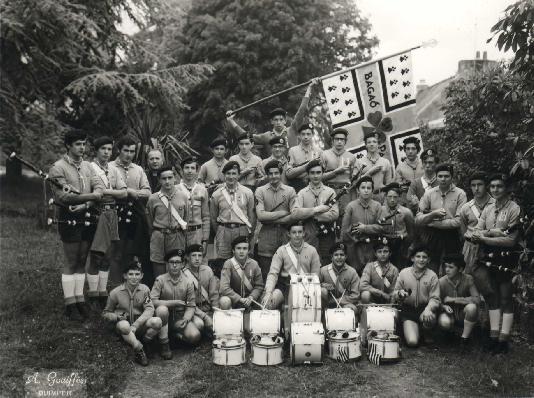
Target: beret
{"points": [[190, 159], [244, 136], [364, 179], [314, 163], [277, 141], [238, 240], [232, 164], [338, 246], [272, 164], [391, 186], [194, 248], [101, 141], [428, 152], [305, 126], [173, 253], [277, 111], [218, 141]]}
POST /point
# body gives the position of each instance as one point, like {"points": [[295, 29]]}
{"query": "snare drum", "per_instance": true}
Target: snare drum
{"points": [[229, 352], [304, 303], [344, 346], [265, 322], [342, 319], [383, 348], [267, 350]]}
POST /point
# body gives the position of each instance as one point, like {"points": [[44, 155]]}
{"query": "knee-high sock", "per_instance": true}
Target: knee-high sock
{"points": [[163, 334], [79, 280], [67, 282], [92, 284], [507, 322], [103, 282], [495, 320], [132, 340], [468, 328], [150, 334]]}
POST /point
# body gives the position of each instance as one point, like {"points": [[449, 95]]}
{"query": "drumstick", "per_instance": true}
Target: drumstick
{"points": [[337, 302], [258, 304]]}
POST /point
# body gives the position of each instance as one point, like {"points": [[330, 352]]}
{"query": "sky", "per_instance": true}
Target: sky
{"points": [[461, 27]]}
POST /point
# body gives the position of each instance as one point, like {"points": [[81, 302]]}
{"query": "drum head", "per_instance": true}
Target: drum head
{"points": [[228, 322]]}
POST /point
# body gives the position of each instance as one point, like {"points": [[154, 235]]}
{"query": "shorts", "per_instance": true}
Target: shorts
{"points": [[107, 231], [411, 313], [161, 244]]}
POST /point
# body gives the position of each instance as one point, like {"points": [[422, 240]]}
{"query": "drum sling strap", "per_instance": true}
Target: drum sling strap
{"points": [[173, 210], [292, 257], [378, 270], [236, 209], [197, 284], [241, 274]]}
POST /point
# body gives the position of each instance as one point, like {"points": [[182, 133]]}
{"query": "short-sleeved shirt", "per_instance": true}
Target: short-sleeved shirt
{"points": [[161, 215], [198, 207], [308, 262], [267, 199], [134, 176], [234, 287], [298, 155], [165, 288], [384, 176], [333, 160], [110, 178], [246, 163], [309, 197], [222, 210], [408, 172], [211, 171]]}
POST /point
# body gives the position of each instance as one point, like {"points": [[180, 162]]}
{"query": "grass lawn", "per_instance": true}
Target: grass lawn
{"points": [[34, 335]]}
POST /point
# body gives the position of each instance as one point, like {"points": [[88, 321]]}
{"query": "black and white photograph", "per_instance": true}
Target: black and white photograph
{"points": [[266, 198]]}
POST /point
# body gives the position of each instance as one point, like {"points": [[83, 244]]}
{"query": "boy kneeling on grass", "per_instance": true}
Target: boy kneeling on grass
{"points": [[130, 308], [459, 297], [417, 291]]}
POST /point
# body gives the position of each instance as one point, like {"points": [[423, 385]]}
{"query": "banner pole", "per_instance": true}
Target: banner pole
{"points": [[430, 43]]}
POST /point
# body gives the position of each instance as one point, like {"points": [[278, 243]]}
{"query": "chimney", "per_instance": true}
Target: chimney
{"points": [[421, 86], [485, 55], [478, 55]]}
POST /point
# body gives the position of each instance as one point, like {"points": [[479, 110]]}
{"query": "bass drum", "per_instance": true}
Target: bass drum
{"points": [[304, 303], [344, 346], [229, 352], [307, 343], [340, 319]]}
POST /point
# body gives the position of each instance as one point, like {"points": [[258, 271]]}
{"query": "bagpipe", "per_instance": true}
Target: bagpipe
{"points": [[69, 216], [125, 212], [346, 189], [72, 223], [66, 188]]}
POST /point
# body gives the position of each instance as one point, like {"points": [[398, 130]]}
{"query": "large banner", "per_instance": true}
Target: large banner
{"points": [[379, 96]]}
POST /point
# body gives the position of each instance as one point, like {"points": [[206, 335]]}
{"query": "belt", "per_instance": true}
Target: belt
{"points": [[109, 207], [231, 225], [194, 227], [167, 231]]}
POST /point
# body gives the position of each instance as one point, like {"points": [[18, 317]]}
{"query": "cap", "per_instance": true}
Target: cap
{"points": [[101, 141], [305, 126], [273, 164], [428, 152], [339, 131]]}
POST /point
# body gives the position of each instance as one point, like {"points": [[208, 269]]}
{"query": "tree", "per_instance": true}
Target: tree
{"points": [[262, 46], [483, 123], [515, 31]]}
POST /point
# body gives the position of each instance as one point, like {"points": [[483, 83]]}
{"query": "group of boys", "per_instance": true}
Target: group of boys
{"points": [[372, 234]]}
